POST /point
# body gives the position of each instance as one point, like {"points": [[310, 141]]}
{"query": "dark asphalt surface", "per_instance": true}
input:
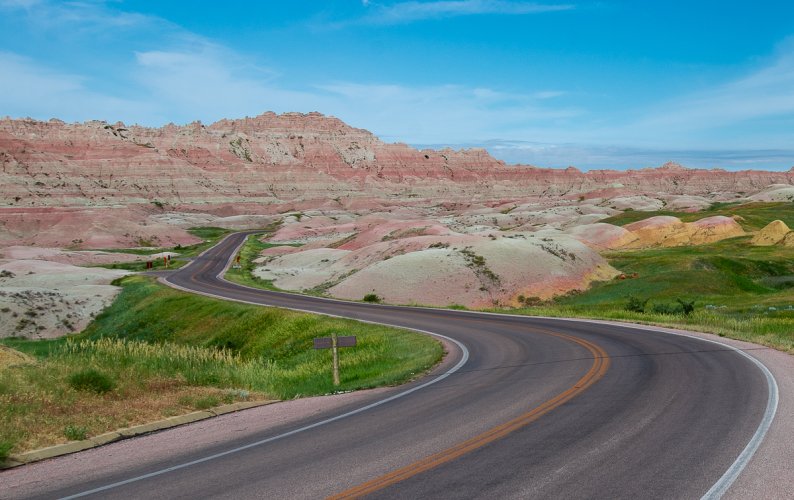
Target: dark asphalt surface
{"points": [[666, 420]]}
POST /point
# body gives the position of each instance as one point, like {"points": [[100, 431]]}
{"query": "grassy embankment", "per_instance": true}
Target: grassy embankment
{"points": [[210, 235], [159, 352], [739, 290]]}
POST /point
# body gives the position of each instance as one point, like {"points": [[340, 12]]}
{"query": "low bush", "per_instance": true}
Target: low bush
{"points": [[635, 304], [371, 297], [686, 307], [5, 448], [91, 380]]}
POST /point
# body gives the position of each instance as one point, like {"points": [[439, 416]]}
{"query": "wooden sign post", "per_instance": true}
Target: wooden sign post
{"points": [[334, 343]]}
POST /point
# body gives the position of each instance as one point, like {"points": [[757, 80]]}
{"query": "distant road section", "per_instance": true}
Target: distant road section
{"points": [[523, 408]]}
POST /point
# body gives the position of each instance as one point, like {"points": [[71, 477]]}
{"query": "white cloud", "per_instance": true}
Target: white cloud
{"points": [[204, 84], [440, 112], [406, 12], [763, 94], [84, 16], [28, 89], [210, 83]]}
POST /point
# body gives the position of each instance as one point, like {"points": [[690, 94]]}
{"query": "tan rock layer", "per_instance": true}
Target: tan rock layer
{"points": [[667, 231], [773, 233]]}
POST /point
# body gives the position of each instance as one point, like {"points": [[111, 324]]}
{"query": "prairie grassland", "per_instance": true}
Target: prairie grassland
{"points": [[739, 290], [159, 352]]}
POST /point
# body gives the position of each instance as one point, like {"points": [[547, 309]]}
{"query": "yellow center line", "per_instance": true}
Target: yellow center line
{"points": [[596, 372]]}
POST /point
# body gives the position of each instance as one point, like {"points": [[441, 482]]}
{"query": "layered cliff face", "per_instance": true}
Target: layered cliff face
{"points": [[291, 157]]}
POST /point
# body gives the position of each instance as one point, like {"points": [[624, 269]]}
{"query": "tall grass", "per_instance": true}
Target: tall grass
{"points": [[197, 366], [166, 352]]}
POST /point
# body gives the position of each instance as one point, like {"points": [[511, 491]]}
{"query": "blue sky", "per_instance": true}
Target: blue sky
{"points": [[587, 83]]}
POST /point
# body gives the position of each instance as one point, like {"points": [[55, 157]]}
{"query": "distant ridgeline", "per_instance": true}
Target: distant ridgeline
{"points": [[296, 157]]}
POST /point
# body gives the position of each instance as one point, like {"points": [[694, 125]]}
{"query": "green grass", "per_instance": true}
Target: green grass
{"points": [[740, 291], [755, 215], [244, 274], [149, 312], [158, 352]]}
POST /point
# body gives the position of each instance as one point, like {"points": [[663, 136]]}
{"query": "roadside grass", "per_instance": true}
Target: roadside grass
{"points": [[244, 274], [740, 291], [158, 352], [210, 235]]}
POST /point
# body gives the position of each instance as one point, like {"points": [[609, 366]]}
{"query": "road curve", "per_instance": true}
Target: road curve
{"points": [[541, 408]]}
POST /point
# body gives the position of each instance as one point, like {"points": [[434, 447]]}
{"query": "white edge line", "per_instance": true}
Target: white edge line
{"points": [[729, 477], [716, 491], [724, 483], [464, 358]]}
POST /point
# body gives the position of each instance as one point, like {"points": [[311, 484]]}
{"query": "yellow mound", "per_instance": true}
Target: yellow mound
{"points": [[667, 231], [774, 233]]}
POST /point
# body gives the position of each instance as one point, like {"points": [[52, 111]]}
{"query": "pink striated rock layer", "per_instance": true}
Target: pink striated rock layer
{"points": [[276, 158]]}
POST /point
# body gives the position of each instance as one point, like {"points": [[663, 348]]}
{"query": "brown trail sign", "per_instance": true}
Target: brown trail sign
{"points": [[334, 342]]}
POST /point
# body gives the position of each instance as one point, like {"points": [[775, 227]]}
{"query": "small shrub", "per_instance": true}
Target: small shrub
{"points": [[91, 380], [687, 307], [530, 301], [5, 449], [75, 433], [373, 298], [635, 304]]}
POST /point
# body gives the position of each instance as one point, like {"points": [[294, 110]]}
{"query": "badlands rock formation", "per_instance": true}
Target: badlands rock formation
{"points": [[43, 299], [776, 232], [433, 227], [601, 236], [296, 157], [97, 184], [444, 269], [666, 231]]}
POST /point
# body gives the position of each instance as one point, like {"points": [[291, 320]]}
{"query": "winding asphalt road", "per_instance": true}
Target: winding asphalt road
{"points": [[521, 408]]}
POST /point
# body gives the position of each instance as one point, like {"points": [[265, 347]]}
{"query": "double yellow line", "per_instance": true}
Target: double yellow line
{"points": [[597, 370]]}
